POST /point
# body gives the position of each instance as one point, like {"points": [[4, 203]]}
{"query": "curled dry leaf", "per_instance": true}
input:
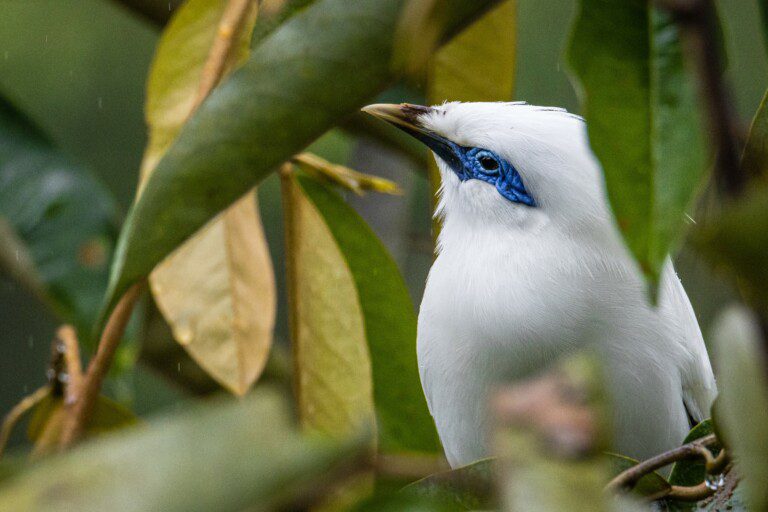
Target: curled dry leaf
{"points": [[355, 181], [217, 290]]}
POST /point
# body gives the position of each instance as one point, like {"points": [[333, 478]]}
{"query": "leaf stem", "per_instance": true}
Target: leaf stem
{"points": [[232, 21], [79, 411], [18, 411]]}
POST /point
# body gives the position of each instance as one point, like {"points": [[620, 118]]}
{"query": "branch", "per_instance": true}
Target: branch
{"points": [[627, 479], [697, 20], [15, 414], [81, 407], [67, 345]]}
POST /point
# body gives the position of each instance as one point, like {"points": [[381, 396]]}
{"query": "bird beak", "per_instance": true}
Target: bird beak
{"points": [[406, 117]]}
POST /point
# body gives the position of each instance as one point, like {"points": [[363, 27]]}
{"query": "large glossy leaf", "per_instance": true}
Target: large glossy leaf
{"points": [[379, 305], [300, 81], [476, 65], [741, 411], [224, 457], [216, 291], [642, 116], [59, 222]]}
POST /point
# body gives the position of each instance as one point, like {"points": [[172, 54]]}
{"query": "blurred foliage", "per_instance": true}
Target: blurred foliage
{"points": [[254, 457], [59, 223], [741, 411]]}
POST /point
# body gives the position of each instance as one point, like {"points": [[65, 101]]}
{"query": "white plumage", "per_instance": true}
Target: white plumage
{"points": [[515, 287]]}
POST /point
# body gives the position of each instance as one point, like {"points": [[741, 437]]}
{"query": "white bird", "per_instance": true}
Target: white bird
{"points": [[531, 267]]}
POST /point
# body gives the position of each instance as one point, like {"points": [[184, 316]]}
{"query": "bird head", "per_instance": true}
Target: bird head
{"points": [[513, 164]]}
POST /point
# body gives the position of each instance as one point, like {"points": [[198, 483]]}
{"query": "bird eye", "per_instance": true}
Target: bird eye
{"points": [[489, 163]]}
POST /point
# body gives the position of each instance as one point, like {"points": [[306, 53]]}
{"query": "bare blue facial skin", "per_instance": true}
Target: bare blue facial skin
{"points": [[477, 164]]}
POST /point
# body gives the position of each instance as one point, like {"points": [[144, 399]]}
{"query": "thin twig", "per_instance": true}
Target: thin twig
{"points": [[689, 494], [232, 21], [80, 410], [628, 478], [18, 411]]}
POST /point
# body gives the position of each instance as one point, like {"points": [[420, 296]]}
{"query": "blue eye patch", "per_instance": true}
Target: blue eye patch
{"points": [[483, 164]]}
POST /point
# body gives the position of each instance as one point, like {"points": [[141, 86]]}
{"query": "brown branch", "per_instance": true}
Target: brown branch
{"points": [[81, 408], [627, 479], [67, 344], [689, 494], [18, 411]]}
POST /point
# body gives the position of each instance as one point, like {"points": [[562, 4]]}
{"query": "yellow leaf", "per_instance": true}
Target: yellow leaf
{"points": [[479, 63], [216, 291], [332, 371], [332, 366]]}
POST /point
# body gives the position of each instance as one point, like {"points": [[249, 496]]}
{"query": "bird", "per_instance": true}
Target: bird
{"points": [[531, 267]]}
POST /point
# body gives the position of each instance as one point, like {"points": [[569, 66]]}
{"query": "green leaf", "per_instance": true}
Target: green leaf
{"points": [[755, 158], [59, 222], [763, 5], [255, 458], [404, 502], [469, 487], [381, 309], [692, 471], [642, 117], [652, 484], [741, 412], [735, 243], [300, 81], [47, 420]]}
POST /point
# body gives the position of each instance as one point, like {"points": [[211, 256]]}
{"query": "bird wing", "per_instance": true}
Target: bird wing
{"points": [[698, 381]]}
